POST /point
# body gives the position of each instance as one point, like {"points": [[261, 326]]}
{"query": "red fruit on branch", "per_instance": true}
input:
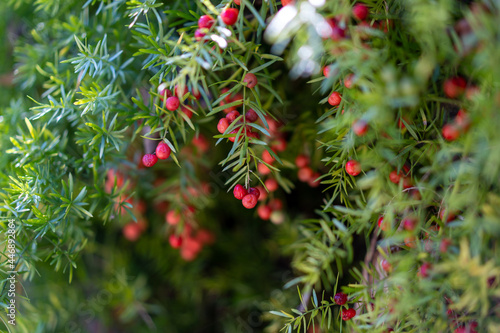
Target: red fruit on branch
{"points": [[187, 112], [301, 161], [276, 204], [349, 81], [385, 265], [287, 2], [271, 184], [267, 157], [162, 151], [180, 94], [424, 270], [454, 87], [149, 160], [326, 71], [222, 125], [175, 241], [348, 314], [450, 132], [251, 80], [263, 169], [206, 22], [264, 212], [231, 116], [172, 103], [313, 181], [409, 223], [381, 224], [360, 12], [251, 115], [249, 201], [172, 217], [353, 167], [446, 216], [199, 34], [163, 91], [132, 231], [233, 138], [239, 192], [305, 174], [254, 191], [229, 16], [340, 298], [360, 127], [394, 177], [334, 99], [462, 120]]}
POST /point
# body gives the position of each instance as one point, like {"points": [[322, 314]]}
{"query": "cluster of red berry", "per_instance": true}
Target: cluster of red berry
{"points": [[189, 241], [348, 313], [305, 173]]}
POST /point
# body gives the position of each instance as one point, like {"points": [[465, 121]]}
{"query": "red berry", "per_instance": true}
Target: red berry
{"points": [[334, 99], [187, 111], [175, 241], [340, 298], [450, 132], [394, 177], [287, 2], [229, 16], [360, 12], [132, 231], [172, 217], [301, 161], [251, 115], [199, 34], [353, 167], [313, 181], [264, 212], [222, 125], [444, 213], [360, 127], [231, 116], [262, 193], [172, 103], [263, 169], [423, 271], [233, 138], [249, 201], [163, 91], [205, 237], [443, 246], [407, 183], [454, 87], [162, 151], [267, 157], [385, 265], [254, 191], [201, 143], [179, 93], [348, 314], [305, 174], [239, 192], [348, 81], [251, 80], [279, 145], [149, 160], [337, 33], [462, 120], [326, 71], [271, 184], [276, 204], [206, 21], [381, 224], [409, 223]]}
